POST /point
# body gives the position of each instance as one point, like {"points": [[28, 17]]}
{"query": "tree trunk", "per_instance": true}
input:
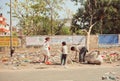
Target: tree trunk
{"points": [[88, 33], [88, 37]]}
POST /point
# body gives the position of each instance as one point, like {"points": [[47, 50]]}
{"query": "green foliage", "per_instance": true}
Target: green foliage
{"points": [[65, 31], [37, 17], [14, 34], [105, 12]]}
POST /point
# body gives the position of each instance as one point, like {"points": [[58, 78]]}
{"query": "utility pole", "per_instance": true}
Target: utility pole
{"points": [[51, 20], [11, 50]]}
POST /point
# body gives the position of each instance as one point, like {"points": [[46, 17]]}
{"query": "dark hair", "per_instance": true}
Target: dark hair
{"points": [[0, 14], [63, 43], [47, 38], [73, 48]]}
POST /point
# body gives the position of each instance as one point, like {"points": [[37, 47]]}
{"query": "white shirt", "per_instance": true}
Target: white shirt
{"points": [[79, 47], [64, 49], [46, 45]]}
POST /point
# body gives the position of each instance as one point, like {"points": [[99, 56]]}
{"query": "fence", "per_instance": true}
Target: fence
{"points": [[108, 40], [39, 40], [96, 41]]}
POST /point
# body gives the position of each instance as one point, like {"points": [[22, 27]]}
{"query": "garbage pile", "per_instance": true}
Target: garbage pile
{"points": [[27, 57], [111, 76], [97, 57], [22, 59], [111, 56]]}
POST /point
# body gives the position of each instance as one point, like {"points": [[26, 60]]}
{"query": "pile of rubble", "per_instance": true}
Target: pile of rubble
{"points": [[111, 56], [111, 76], [25, 58], [21, 59], [97, 57]]}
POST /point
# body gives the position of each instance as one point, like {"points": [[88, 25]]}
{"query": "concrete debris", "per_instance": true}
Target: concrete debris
{"points": [[23, 59], [111, 76]]}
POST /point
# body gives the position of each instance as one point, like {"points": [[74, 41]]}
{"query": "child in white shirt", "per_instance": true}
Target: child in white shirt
{"points": [[64, 53]]}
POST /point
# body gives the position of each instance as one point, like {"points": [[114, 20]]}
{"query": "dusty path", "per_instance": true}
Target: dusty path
{"points": [[58, 73]]}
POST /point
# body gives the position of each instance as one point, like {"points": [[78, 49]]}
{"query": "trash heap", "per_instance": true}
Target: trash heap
{"points": [[21, 59], [27, 57], [111, 56], [97, 57], [111, 76]]}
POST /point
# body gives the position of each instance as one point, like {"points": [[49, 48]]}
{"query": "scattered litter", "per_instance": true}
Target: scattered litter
{"points": [[111, 76], [25, 58]]}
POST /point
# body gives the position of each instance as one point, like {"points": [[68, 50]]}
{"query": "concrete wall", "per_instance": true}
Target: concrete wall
{"points": [[93, 41]]}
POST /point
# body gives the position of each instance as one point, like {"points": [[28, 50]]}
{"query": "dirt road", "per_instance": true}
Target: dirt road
{"points": [[60, 73]]}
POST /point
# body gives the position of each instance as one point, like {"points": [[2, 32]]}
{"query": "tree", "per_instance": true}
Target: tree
{"points": [[106, 11], [86, 18], [29, 20], [95, 13], [53, 6], [37, 17]]}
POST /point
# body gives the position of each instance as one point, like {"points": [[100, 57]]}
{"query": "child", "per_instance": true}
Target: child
{"points": [[64, 53], [82, 52], [46, 48]]}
